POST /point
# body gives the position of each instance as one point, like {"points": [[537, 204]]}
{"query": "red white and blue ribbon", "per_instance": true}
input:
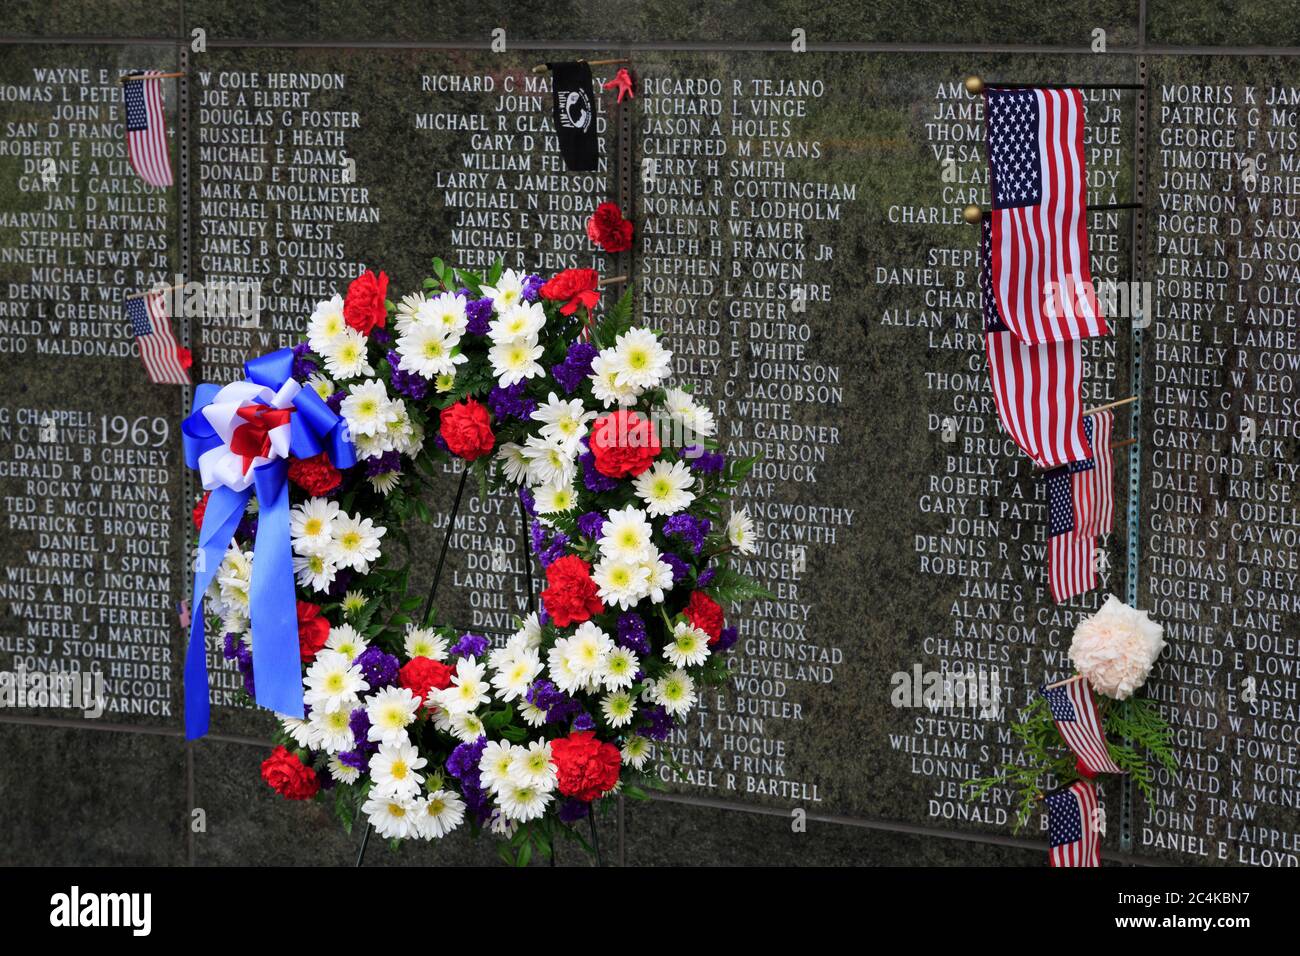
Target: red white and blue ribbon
{"points": [[240, 438]]}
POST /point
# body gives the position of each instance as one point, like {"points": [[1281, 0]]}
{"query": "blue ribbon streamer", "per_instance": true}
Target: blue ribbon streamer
{"points": [[313, 428]]}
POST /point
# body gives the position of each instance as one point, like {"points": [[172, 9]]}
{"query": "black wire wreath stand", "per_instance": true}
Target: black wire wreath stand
{"points": [[526, 560]]}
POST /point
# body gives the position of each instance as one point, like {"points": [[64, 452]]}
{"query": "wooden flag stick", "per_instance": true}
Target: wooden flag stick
{"points": [[612, 280], [1062, 683], [1124, 444], [156, 289], [542, 67], [1102, 408], [155, 76]]}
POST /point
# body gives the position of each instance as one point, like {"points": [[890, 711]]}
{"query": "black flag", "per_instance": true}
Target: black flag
{"points": [[575, 115]]}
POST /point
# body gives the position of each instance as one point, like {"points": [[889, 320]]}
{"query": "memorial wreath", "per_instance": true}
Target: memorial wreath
{"points": [[320, 461]]}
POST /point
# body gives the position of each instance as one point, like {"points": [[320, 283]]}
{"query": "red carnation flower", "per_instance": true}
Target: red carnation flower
{"points": [[624, 444], [571, 596], [313, 631], [608, 229], [706, 614], [420, 675], [466, 427], [364, 306], [288, 776], [200, 510], [585, 766], [573, 287], [315, 475]]}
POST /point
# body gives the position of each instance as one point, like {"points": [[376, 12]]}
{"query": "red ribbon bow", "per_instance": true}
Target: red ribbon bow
{"points": [[622, 82], [253, 440]]}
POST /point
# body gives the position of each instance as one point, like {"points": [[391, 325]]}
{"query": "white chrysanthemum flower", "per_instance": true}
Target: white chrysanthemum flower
{"points": [[372, 446], [533, 716], [560, 669], [515, 361], [693, 416], [636, 751], [427, 350], [425, 642], [341, 772], [385, 483], [549, 463], [675, 692], [620, 668], [444, 383], [689, 646], [315, 571], [331, 730], [332, 682], [620, 583], [466, 726], [618, 708], [297, 728], [494, 765], [564, 422], [555, 499], [393, 818], [439, 813], [367, 409], [356, 542], [407, 310], [740, 532], [588, 651], [468, 689], [665, 487], [345, 640], [605, 385], [659, 577], [322, 385], [516, 673], [354, 602], [522, 803], [311, 525], [530, 631], [345, 357], [532, 766], [522, 321], [391, 711], [642, 362], [446, 313], [393, 769], [507, 293], [513, 462], [326, 325], [234, 577], [625, 536]]}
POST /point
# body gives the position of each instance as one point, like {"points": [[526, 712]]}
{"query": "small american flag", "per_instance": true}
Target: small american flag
{"points": [[1075, 715], [1094, 492], [1039, 233], [1037, 389], [1072, 825], [158, 347], [1080, 506], [146, 130]]}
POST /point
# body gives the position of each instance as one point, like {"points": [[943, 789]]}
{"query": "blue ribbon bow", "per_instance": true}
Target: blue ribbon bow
{"points": [[313, 428]]}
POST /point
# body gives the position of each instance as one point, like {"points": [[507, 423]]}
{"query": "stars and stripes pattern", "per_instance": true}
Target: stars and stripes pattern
{"points": [[146, 129], [1094, 492], [1037, 389], [1041, 277], [1080, 506], [159, 350], [1072, 826], [1075, 714]]}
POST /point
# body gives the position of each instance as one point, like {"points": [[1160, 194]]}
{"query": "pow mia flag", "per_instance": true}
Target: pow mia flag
{"points": [[575, 115]]}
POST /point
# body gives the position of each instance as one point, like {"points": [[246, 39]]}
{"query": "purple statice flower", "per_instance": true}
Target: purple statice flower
{"points": [[378, 668], [594, 480], [727, 639], [548, 550], [470, 645], [591, 524], [691, 530], [511, 402], [383, 464], [479, 313], [244, 661], [529, 500], [631, 633], [381, 335], [584, 721], [230, 647], [325, 779], [247, 528], [532, 286], [359, 724], [558, 705], [303, 367], [575, 368], [357, 759], [681, 570], [464, 760], [411, 384], [342, 581], [335, 401], [660, 726], [707, 575], [572, 810], [441, 443], [705, 462]]}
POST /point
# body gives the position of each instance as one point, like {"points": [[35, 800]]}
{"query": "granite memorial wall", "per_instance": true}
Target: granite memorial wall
{"points": [[800, 243]]}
